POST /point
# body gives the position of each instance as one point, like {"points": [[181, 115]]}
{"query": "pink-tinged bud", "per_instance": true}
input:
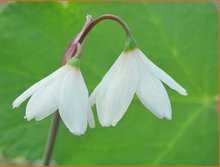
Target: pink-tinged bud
{"points": [[71, 49]]}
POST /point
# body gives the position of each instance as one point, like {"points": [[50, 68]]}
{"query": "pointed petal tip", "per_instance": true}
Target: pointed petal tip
{"points": [[184, 93], [28, 119], [77, 132], [90, 119], [114, 123], [92, 126], [91, 123], [92, 99], [165, 117], [168, 117], [105, 125], [108, 124], [38, 119], [15, 104], [104, 122]]}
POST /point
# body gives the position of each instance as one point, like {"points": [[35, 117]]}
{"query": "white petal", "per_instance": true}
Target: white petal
{"points": [[44, 102], [26, 94], [153, 95], [74, 102], [94, 94], [160, 74], [90, 116], [105, 79], [116, 90]]}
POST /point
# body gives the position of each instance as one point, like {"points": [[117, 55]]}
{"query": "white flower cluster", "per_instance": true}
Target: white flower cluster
{"points": [[65, 90]]}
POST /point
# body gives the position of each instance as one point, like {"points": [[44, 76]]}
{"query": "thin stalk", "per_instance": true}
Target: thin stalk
{"points": [[51, 139]]}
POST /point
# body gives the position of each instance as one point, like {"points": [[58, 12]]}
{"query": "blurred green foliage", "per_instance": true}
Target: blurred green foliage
{"points": [[180, 37]]}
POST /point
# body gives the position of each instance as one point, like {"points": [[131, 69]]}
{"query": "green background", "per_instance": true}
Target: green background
{"points": [[180, 37]]}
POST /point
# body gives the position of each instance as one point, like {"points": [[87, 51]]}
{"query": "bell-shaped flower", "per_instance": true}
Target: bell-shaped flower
{"points": [[63, 90], [133, 73]]}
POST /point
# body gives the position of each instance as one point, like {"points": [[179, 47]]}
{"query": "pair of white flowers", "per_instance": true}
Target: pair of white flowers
{"points": [[65, 90]]}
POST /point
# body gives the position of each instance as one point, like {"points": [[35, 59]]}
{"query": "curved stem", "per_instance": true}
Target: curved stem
{"points": [[101, 18]]}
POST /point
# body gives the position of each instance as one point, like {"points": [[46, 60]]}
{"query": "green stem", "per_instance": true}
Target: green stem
{"points": [[130, 44], [51, 139]]}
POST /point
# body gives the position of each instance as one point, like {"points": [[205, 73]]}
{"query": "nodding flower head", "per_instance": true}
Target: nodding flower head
{"points": [[63, 90], [133, 73]]}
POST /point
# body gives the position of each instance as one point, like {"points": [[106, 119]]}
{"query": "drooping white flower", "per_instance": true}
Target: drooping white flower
{"points": [[63, 90], [133, 73]]}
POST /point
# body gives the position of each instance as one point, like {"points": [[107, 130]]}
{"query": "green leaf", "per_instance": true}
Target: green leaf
{"points": [[180, 37]]}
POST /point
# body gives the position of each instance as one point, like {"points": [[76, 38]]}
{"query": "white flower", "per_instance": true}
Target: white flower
{"points": [[133, 73], [63, 90]]}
